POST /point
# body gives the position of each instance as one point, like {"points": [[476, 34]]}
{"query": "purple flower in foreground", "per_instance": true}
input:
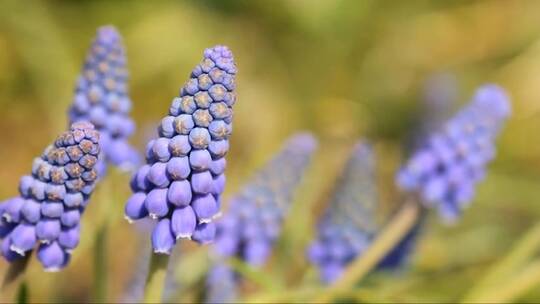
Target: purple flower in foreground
{"points": [[101, 97], [447, 168], [348, 225], [52, 199], [253, 221], [181, 184]]}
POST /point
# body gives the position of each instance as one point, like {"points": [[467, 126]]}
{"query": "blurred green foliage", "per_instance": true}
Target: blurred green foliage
{"points": [[343, 69]]}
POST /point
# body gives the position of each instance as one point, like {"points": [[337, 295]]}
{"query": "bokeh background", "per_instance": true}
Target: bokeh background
{"points": [[343, 69]]}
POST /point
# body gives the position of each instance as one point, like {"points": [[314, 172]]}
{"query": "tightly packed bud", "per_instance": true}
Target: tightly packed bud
{"points": [[181, 184], [253, 221], [52, 199], [101, 97], [449, 165], [348, 225]]}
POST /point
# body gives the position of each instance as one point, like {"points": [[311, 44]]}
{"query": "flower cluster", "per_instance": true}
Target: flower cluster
{"points": [[181, 184], [101, 97], [254, 218], [348, 225], [52, 199], [449, 165]]}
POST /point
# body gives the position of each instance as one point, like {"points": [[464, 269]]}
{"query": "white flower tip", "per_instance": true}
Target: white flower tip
{"points": [[128, 219], [162, 251], [153, 216], [52, 269], [205, 220], [217, 215], [7, 217], [17, 250], [183, 236]]}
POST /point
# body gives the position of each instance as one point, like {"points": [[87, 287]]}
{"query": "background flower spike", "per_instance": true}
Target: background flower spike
{"points": [[178, 186], [349, 222], [45, 214], [446, 169], [254, 218], [101, 97]]}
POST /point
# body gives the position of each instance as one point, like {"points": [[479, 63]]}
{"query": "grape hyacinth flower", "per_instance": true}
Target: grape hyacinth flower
{"points": [[101, 97], [446, 169], [52, 199], [254, 218], [348, 224], [181, 184]]}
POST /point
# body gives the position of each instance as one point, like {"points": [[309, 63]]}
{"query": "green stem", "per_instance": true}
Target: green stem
{"points": [[510, 290], [100, 265], [16, 269], [396, 230], [156, 278], [22, 293], [526, 248]]}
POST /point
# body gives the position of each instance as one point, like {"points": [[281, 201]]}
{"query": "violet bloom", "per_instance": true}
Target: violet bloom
{"points": [[253, 221], [348, 224], [447, 168], [52, 199], [101, 97], [180, 186]]}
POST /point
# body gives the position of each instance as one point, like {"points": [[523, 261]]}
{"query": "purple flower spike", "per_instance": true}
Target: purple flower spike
{"points": [[101, 97], [48, 210], [446, 169], [250, 227], [183, 179], [348, 224]]}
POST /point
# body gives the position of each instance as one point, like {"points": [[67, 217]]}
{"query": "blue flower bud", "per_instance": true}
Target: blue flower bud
{"points": [[52, 256], [162, 237], [23, 238], [69, 238], [31, 211], [178, 168], [179, 193], [158, 175], [205, 207], [183, 222], [179, 145], [52, 209], [48, 230], [71, 218], [204, 233], [156, 203], [135, 208]]}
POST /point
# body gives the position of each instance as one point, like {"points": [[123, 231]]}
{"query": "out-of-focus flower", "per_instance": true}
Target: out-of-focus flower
{"points": [[101, 97], [349, 223], [254, 218], [221, 285], [52, 199], [452, 161], [253, 221], [181, 184]]}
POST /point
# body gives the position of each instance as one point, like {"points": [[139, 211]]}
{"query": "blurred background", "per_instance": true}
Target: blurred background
{"points": [[343, 69]]}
